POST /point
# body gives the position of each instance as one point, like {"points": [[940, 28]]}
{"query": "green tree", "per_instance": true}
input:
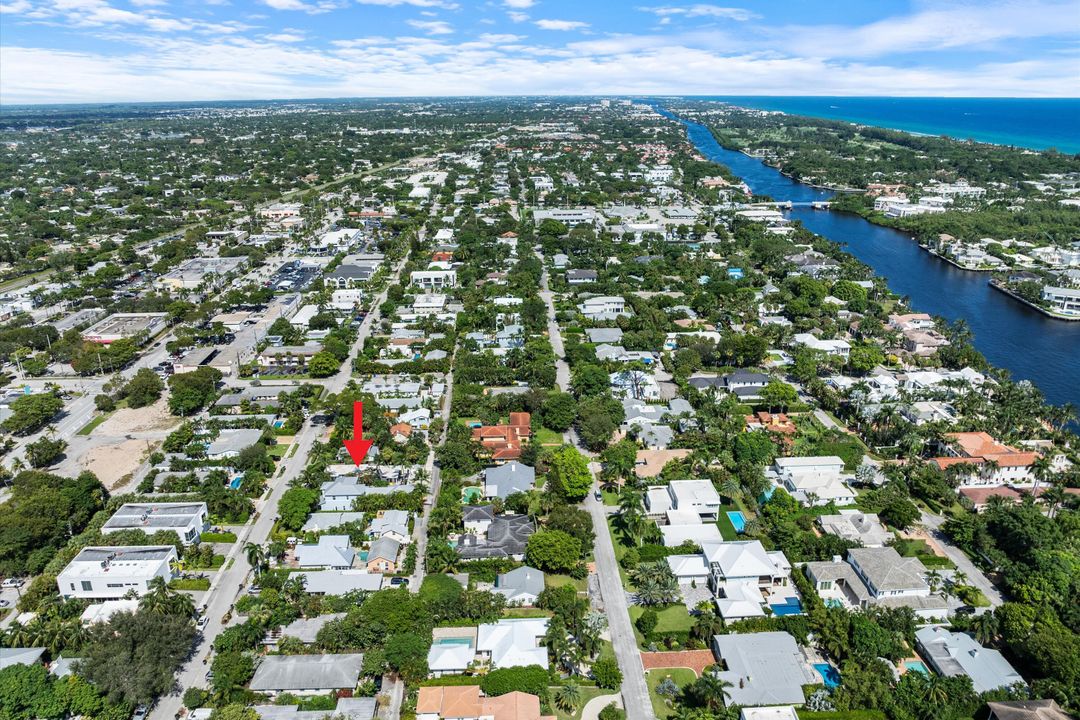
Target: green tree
{"points": [[607, 674], [778, 395], [559, 411], [295, 506], [553, 551], [407, 654], [569, 473], [30, 413], [45, 451], [323, 364], [143, 389]]}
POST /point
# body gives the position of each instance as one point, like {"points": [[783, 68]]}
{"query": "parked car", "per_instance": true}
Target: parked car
{"points": [[12, 582]]}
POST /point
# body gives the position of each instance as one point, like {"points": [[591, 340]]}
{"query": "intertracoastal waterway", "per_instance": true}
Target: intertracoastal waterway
{"points": [[1011, 335]]}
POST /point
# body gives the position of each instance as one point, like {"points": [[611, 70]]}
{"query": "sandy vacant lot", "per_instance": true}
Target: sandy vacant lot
{"points": [[113, 461], [153, 418]]}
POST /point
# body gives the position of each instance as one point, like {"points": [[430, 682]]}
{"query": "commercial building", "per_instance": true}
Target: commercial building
{"points": [[111, 572], [188, 520], [119, 326]]}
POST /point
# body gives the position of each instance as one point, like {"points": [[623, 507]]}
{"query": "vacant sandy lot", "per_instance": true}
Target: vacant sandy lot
{"points": [[113, 461], [153, 418]]}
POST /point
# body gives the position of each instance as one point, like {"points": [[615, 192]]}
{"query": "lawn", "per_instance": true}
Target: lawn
{"points": [[521, 612], [277, 451], [919, 549], [90, 426], [610, 498], [680, 676], [545, 436], [552, 580], [675, 618], [222, 537], [588, 692], [723, 522]]}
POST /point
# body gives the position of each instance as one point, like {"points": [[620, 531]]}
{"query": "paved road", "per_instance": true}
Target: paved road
{"points": [[635, 693], [634, 690], [933, 523], [228, 583]]}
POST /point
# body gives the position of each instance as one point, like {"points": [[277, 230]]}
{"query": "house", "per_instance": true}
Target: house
{"points": [[581, 277], [743, 384], [231, 442], [347, 708], [876, 576], [477, 518], [452, 652], [340, 582], [112, 572], [322, 521], [434, 279], [10, 657], [383, 556], [102, 612], [465, 703], [763, 668], [689, 568], [1027, 710], [513, 642], [744, 576], [560, 260], [520, 586], [504, 442], [634, 384], [506, 537], [777, 712], [306, 630], [391, 523], [338, 495], [953, 654], [331, 551], [676, 534], [986, 461], [814, 480], [601, 336], [832, 348], [307, 674], [864, 528], [502, 481], [603, 307], [1062, 300], [186, 519], [698, 496]]}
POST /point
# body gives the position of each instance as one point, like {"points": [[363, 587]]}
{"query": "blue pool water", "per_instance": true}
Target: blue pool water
{"points": [[279, 424], [829, 674], [363, 555], [916, 666], [235, 483], [738, 520], [833, 603], [453, 641], [790, 606]]}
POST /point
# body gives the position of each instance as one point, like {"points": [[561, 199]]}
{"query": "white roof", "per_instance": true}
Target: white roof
{"points": [[741, 600], [101, 612], [740, 559], [693, 492], [450, 657], [675, 535], [685, 566], [514, 642]]}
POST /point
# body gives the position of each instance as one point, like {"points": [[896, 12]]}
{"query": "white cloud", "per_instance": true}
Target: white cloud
{"points": [[14, 6], [444, 4], [285, 37], [517, 16], [702, 10], [315, 8], [561, 24], [520, 4], [432, 27]]}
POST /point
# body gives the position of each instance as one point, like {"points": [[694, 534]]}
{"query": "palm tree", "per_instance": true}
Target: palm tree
{"points": [[935, 693], [986, 627], [1042, 469], [568, 697], [156, 598], [730, 488], [707, 625], [712, 689], [257, 558], [933, 579], [960, 578], [294, 589]]}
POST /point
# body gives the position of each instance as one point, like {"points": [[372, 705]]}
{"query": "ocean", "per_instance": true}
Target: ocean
{"points": [[1036, 123]]}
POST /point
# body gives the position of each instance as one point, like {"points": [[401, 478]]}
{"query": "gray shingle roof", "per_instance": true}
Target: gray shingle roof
{"points": [[307, 672]]}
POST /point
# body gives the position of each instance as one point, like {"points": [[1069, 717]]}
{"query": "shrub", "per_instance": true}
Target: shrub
{"points": [[531, 679], [647, 622], [606, 673]]}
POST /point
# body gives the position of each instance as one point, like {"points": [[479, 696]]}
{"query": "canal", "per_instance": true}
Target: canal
{"points": [[1028, 344]]}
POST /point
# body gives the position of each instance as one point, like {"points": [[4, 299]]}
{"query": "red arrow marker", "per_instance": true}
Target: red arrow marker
{"points": [[358, 447]]}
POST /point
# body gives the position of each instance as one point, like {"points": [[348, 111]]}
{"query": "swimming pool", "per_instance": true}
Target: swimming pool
{"points": [[363, 555], [829, 674], [738, 520], [916, 666], [790, 606], [472, 494], [454, 641], [765, 496], [236, 482]]}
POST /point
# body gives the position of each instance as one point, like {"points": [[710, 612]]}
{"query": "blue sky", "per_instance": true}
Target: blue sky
{"points": [[148, 50]]}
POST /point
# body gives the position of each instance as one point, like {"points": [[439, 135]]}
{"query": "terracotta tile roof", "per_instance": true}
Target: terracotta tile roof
{"points": [[513, 706], [450, 702]]}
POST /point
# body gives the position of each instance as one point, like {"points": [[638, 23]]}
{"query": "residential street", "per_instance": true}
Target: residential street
{"points": [[975, 575], [229, 582], [635, 693]]}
